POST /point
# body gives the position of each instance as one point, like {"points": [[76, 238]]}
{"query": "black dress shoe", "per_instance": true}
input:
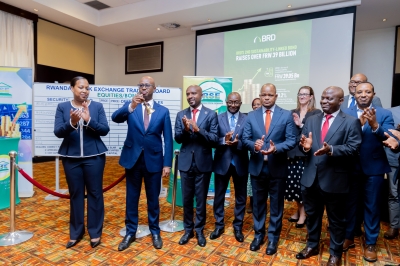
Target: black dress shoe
{"points": [[301, 225], [126, 242], [292, 220], [201, 240], [157, 241], [70, 243], [217, 233], [256, 243], [306, 253], [94, 244], [238, 235], [271, 248], [185, 238]]}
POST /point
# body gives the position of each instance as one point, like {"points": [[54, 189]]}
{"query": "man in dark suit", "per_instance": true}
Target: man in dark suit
{"points": [[196, 128], [333, 139], [370, 169], [142, 157], [350, 100], [231, 159], [269, 133], [393, 200]]}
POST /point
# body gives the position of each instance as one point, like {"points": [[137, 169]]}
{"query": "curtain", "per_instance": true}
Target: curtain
{"points": [[16, 41]]}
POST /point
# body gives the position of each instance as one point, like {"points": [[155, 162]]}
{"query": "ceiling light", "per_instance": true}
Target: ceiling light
{"points": [[289, 6], [35, 10], [384, 19], [158, 28], [208, 20]]}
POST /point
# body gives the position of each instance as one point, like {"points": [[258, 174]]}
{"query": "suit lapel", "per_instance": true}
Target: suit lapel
{"points": [[260, 120], [318, 123], [225, 122], [153, 115], [139, 114], [275, 118], [335, 126], [203, 113], [239, 123]]}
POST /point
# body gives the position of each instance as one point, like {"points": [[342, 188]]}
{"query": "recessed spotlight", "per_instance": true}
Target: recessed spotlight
{"points": [[35, 10], [158, 29], [208, 20], [384, 19], [289, 6]]}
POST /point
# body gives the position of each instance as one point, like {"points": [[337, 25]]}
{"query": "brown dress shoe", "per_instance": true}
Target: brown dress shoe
{"points": [[306, 253], [370, 253], [334, 261], [348, 244], [391, 233]]}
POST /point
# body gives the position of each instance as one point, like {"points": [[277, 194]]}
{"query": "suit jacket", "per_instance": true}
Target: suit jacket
{"points": [[333, 172], [224, 154], [295, 151], [372, 157], [376, 101], [149, 142], [197, 146], [281, 132], [393, 157], [89, 134]]}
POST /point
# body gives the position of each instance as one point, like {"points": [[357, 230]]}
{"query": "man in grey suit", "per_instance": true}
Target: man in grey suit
{"points": [[196, 129], [350, 100], [269, 134], [333, 139], [394, 208], [231, 159]]}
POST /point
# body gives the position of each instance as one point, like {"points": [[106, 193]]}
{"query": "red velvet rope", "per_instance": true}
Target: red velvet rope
{"points": [[45, 189]]}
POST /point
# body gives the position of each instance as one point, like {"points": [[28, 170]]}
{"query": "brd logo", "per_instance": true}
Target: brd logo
{"points": [[265, 38]]}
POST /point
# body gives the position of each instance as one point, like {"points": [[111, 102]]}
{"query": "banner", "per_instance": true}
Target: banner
{"points": [[16, 119], [48, 95]]}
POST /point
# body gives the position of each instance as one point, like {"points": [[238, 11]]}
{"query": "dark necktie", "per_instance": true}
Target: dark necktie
{"points": [[146, 117], [232, 123], [325, 127], [353, 101]]}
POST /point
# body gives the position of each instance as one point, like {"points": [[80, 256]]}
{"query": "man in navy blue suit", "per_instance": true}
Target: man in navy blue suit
{"points": [[231, 158], [196, 129], [370, 169], [269, 133], [142, 157]]}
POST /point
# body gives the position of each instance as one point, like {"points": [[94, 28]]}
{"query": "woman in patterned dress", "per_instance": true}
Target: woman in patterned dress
{"points": [[305, 108]]}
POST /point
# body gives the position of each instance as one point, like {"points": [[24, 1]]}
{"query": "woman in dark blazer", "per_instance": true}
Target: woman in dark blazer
{"points": [[305, 108], [81, 122]]}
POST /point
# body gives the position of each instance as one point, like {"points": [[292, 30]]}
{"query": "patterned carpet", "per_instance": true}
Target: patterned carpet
{"points": [[48, 220]]}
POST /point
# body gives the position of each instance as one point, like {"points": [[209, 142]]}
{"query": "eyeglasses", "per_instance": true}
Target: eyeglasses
{"points": [[303, 94], [355, 82], [233, 103], [147, 85]]}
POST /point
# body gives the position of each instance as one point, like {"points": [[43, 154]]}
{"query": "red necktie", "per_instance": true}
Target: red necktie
{"points": [[194, 111], [325, 127], [267, 120]]}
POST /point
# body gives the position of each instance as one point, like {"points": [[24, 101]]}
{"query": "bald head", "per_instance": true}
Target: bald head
{"points": [[331, 99], [233, 102], [146, 87], [194, 94], [268, 95], [355, 81]]}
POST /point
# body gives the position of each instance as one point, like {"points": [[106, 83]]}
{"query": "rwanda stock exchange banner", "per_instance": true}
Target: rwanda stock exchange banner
{"points": [[48, 95]]}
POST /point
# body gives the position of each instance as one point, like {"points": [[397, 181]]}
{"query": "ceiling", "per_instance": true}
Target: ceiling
{"points": [[136, 21]]}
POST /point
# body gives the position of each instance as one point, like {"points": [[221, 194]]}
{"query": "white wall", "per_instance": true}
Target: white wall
{"points": [[374, 57], [106, 62], [179, 61]]}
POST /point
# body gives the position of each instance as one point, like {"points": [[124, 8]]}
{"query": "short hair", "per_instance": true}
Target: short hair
{"points": [[74, 80], [367, 82]]}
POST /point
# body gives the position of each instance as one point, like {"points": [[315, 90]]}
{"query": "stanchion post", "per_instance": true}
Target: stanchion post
{"points": [[173, 225], [14, 237]]}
